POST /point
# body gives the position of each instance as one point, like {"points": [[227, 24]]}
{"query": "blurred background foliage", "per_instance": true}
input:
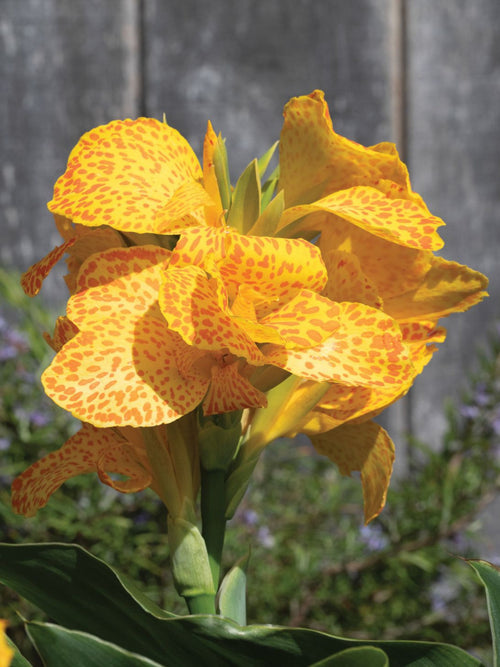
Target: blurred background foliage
{"points": [[312, 562]]}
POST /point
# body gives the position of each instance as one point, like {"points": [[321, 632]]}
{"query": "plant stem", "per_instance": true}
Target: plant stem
{"points": [[201, 604], [213, 506]]}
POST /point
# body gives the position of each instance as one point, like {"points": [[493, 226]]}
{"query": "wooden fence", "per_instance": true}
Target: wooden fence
{"points": [[425, 73]]}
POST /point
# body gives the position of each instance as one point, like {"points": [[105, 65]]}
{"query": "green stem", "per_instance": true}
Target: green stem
{"points": [[201, 604], [213, 508]]}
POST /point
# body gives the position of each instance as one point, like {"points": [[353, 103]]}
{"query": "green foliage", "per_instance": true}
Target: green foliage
{"points": [[312, 563]]}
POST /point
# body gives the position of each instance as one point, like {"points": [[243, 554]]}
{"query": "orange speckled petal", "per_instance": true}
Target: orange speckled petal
{"points": [[346, 280], [190, 304], [118, 372], [63, 332], [230, 391], [6, 653], [119, 281], [366, 349], [306, 320], [122, 460], [418, 336], [80, 454], [32, 279], [447, 288], [366, 448], [215, 211], [122, 174], [186, 208], [392, 268], [400, 221], [314, 160]]}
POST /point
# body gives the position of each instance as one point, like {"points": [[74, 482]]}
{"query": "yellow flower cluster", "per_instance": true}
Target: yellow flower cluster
{"points": [[310, 302]]}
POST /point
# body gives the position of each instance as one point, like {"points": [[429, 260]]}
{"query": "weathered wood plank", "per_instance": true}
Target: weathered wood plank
{"points": [[65, 67], [454, 156]]}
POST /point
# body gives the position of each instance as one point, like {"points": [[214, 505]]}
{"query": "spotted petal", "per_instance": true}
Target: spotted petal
{"points": [[366, 448], [123, 175], [447, 288], [366, 349], [118, 372], [32, 279], [400, 221], [89, 450], [229, 390]]}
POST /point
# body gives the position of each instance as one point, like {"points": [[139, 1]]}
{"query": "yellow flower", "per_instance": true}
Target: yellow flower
{"points": [[377, 239], [6, 653]]}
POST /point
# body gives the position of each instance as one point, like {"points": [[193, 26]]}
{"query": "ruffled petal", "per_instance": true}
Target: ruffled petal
{"points": [[366, 448], [82, 453], [121, 281], [315, 161], [123, 174], [346, 280], [447, 288], [64, 331], [400, 221], [214, 212], [118, 372], [366, 349], [229, 391]]}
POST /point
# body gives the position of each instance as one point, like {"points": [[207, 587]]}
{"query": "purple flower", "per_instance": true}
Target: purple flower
{"points": [[469, 411], [4, 444], [38, 419], [373, 537]]}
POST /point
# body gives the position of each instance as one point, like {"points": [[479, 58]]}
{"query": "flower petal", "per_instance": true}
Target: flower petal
{"points": [[215, 211], [366, 448], [229, 391], [80, 454], [185, 209], [32, 279], [119, 281], [191, 306], [122, 174], [346, 280], [447, 288], [118, 372], [400, 221], [64, 331], [366, 349], [314, 160]]}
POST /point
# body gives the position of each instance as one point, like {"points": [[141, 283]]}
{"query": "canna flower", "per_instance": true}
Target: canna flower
{"points": [[377, 239]]}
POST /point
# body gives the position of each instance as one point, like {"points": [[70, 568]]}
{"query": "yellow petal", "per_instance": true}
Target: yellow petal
{"points": [[64, 331], [120, 281], [366, 448], [346, 280], [123, 174], [119, 372], [400, 221], [447, 288], [366, 349], [84, 452], [214, 212], [32, 279], [191, 306], [315, 161], [184, 209], [229, 391], [6, 653]]}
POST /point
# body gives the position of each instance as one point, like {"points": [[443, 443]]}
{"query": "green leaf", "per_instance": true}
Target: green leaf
{"points": [[222, 173], [356, 657], [269, 187], [489, 575], [264, 160], [232, 592], [59, 647], [83, 593], [268, 220], [245, 205]]}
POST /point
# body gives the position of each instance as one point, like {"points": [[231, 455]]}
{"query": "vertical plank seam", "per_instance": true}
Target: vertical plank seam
{"points": [[141, 58]]}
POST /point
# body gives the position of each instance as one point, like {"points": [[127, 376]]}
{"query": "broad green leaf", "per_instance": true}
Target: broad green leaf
{"points": [[222, 173], [489, 575], [268, 220], [264, 160], [245, 205], [59, 647], [361, 656], [232, 592], [83, 593]]}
